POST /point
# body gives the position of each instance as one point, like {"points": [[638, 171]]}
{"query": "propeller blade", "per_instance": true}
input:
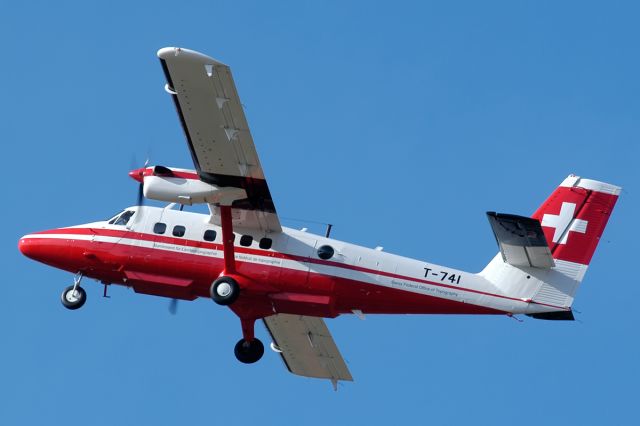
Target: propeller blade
{"points": [[173, 306], [140, 199], [138, 174]]}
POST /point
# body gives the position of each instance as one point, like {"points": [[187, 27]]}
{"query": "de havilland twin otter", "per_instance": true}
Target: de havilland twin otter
{"points": [[240, 256]]}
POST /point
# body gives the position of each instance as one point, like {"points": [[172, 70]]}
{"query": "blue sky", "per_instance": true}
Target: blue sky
{"points": [[399, 122]]}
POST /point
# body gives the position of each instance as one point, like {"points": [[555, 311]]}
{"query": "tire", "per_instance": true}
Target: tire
{"points": [[73, 301], [249, 351], [224, 291]]}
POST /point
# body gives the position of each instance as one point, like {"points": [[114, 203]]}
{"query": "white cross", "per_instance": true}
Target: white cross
{"points": [[562, 220]]}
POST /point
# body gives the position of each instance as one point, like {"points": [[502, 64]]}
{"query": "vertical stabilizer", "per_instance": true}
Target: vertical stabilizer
{"points": [[573, 219]]}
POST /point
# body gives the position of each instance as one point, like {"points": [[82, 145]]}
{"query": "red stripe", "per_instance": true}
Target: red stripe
{"points": [[259, 252]]}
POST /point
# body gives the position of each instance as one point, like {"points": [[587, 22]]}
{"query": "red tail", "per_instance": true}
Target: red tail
{"points": [[574, 216]]}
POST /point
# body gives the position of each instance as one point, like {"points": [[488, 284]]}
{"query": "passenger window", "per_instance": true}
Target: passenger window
{"points": [[265, 243], [179, 230], [124, 218], [209, 235], [246, 240], [159, 228]]}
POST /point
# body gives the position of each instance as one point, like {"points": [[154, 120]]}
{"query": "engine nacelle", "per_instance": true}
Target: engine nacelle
{"points": [[183, 187]]}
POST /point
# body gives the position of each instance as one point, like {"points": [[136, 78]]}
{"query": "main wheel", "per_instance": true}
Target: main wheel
{"points": [[249, 351], [224, 291], [73, 299]]}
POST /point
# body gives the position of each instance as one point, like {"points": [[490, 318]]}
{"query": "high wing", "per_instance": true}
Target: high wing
{"points": [[521, 240], [217, 133], [307, 347]]}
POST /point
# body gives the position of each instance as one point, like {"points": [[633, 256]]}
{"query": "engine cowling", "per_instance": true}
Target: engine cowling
{"points": [[183, 186]]}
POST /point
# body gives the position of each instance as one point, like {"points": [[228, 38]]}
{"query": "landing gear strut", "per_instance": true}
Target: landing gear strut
{"points": [[74, 296], [225, 290]]}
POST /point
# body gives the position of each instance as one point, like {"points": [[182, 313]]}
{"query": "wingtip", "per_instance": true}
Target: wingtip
{"points": [[168, 53]]}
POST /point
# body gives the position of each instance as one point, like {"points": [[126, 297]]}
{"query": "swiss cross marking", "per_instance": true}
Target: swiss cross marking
{"points": [[564, 223]]}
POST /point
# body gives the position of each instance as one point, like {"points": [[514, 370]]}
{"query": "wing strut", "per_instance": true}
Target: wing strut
{"points": [[226, 223]]}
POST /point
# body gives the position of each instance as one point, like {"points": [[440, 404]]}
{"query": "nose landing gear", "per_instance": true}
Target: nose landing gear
{"points": [[74, 296]]}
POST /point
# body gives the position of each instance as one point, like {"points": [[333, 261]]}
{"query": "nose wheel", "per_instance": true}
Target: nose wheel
{"points": [[74, 296]]}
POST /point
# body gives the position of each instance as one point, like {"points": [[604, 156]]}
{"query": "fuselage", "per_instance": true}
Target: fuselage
{"points": [[177, 254]]}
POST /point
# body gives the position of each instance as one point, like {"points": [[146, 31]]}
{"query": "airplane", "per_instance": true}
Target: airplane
{"points": [[240, 255]]}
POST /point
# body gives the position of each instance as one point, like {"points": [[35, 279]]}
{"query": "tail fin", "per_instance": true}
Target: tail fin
{"points": [[573, 219]]}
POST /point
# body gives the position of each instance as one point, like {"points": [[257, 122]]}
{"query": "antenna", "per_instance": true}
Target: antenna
{"points": [[329, 226]]}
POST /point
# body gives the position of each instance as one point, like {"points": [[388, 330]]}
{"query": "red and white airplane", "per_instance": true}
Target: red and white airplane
{"points": [[241, 256]]}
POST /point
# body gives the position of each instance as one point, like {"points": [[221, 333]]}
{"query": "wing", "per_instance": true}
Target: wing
{"points": [[307, 347], [217, 133], [521, 240]]}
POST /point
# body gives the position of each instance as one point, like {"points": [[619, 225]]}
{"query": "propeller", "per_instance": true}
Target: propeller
{"points": [[173, 306], [138, 174], [140, 198]]}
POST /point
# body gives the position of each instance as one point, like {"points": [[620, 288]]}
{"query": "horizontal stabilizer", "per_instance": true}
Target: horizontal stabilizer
{"points": [[554, 316], [521, 240]]}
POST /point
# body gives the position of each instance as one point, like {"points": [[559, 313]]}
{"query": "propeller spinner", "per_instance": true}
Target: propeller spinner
{"points": [[139, 174]]}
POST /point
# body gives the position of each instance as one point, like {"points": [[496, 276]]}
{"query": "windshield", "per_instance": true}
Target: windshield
{"points": [[122, 219], [113, 218]]}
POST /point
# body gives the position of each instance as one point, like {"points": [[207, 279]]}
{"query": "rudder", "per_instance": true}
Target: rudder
{"points": [[573, 218]]}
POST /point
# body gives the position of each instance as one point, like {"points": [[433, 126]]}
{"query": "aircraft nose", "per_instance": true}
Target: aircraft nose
{"points": [[26, 247], [23, 246], [51, 251]]}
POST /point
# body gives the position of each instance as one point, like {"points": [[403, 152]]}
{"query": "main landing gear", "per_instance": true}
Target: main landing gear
{"points": [[74, 296], [224, 291], [249, 351]]}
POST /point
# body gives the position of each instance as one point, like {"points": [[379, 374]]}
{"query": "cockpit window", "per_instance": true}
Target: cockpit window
{"points": [[123, 219], [113, 218]]}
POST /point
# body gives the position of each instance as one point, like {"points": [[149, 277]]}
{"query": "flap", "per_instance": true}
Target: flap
{"points": [[307, 347], [521, 240]]}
